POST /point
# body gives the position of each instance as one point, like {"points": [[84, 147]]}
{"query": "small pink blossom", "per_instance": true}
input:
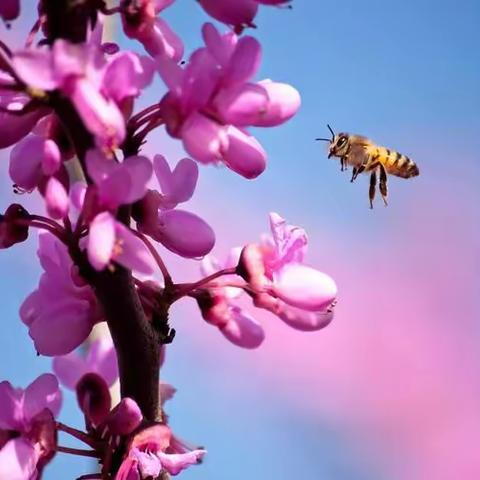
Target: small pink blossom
{"points": [[28, 426], [141, 22], [149, 455], [100, 359], [110, 241], [212, 101], [182, 232], [63, 303]]}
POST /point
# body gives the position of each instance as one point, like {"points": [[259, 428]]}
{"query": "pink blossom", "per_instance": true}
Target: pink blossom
{"points": [[148, 455], [31, 159], [56, 198], [212, 101], [83, 74], [62, 303], [141, 22], [100, 359], [110, 241], [9, 9], [182, 232], [28, 426]]}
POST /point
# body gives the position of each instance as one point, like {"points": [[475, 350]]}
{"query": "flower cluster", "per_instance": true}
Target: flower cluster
{"points": [[69, 114]]}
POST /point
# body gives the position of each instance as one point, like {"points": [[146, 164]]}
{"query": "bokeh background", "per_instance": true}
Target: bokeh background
{"points": [[391, 389]]}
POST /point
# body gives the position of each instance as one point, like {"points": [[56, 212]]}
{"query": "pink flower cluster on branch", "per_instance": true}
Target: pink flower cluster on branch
{"points": [[68, 111]]}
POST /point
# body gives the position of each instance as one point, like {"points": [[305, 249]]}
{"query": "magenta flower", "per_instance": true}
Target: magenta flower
{"points": [[63, 303], [141, 22], [212, 101], [182, 232], [237, 13], [218, 306], [149, 455], [83, 74], [27, 427], [9, 9], [100, 359]]}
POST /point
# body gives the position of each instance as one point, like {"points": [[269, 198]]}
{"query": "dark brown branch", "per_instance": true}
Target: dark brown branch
{"points": [[136, 340]]}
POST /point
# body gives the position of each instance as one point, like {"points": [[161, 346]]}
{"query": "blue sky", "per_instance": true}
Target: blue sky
{"points": [[406, 74]]}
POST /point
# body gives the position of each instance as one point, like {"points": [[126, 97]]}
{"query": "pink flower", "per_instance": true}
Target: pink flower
{"points": [[110, 241], [212, 101], [237, 13], [63, 303], [83, 74], [182, 232], [149, 455], [140, 22], [27, 427], [32, 159], [9, 9], [218, 306], [100, 359]]}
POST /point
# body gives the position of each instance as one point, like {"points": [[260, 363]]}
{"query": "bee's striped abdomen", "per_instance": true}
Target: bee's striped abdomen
{"points": [[397, 164]]}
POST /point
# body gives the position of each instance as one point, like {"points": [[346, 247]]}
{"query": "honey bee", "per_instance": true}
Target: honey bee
{"points": [[367, 157]]}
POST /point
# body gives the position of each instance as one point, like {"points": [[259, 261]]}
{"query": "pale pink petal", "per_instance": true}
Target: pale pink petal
{"points": [[125, 417], [304, 287], [56, 198], [35, 67], [185, 233], [99, 167], [204, 139], [176, 462], [220, 47], [164, 42], [242, 104], [148, 464], [171, 73], [77, 194], [177, 186], [132, 252], [290, 241], [244, 154], [102, 359], [244, 62], [140, 170], [69, 369], [25, 162], [167, 391], [101, 240], [304, 320], [114, 190], [11, 408], [162, 5], [242, 329], [52, 158], [283, 103], [42, 393], [71, 322], [29, 307], [18, 460]]}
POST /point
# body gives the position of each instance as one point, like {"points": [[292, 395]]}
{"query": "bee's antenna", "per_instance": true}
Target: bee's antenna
{"points": [[323, 139], [331, 131]]}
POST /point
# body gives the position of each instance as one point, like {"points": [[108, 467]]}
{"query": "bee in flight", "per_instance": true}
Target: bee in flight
{"points": [[367, 157]]}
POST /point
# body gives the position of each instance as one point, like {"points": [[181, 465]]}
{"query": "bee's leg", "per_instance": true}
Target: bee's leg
{"points": [[342, 164], [373, 186], [383, 184], [358, 171], [354, 174]]}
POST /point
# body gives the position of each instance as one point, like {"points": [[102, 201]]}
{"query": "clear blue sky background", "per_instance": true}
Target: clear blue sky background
{"points": [[406, 74]]}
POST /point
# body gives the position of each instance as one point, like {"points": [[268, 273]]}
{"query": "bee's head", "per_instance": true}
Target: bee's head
{"points": [[338, 143]]}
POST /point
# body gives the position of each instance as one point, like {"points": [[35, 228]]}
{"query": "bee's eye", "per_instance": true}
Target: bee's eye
{"points": [[341, 142]]}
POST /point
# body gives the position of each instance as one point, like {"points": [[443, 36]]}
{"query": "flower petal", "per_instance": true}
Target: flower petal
{"points": [[11, 411], [101, 240], [102, 359], [56, 198], [18, 460], [242, 329], [244, 62], [35, 67], [185, 233], [25, 162], [176, 462], [69, 369], [40, 394]]}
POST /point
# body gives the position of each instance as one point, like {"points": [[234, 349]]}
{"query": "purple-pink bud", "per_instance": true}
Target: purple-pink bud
{"points": [[56, 198], [11, 230], [93, 398], [125, 417]]}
